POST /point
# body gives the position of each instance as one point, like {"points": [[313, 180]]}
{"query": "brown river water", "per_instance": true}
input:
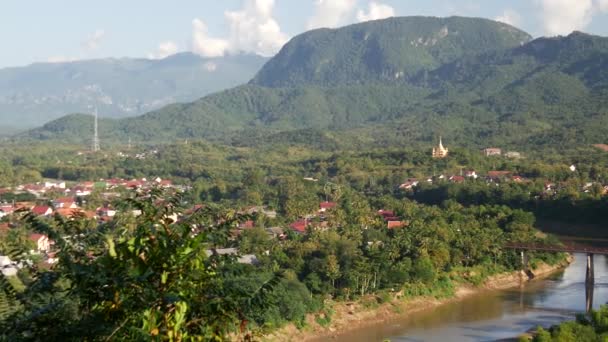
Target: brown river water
{"points": [[500, 314]]}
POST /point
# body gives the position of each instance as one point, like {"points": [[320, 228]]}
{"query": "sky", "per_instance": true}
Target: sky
{"points": [[65, 30]]}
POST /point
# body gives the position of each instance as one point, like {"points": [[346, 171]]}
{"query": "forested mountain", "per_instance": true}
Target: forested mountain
{"points": [[383, 50], [119, 87], [474, 81]]}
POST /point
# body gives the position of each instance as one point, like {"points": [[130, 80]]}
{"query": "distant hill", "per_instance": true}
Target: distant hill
{"points": [[484, 86], [38, 93]]}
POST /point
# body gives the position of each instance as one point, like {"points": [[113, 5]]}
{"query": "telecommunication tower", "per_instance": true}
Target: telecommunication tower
{"points": [[95, 134]]}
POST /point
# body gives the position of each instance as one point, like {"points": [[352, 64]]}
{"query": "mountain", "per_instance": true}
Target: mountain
{"points": [[383, 50], [486, 86], [119, 87]]}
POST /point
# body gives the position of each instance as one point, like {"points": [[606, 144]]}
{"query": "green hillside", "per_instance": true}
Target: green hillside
{"points": [[383, 50], [550, 91]]}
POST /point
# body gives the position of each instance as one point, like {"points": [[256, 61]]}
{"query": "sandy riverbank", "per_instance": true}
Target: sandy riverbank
{"points": [[349, 317]]}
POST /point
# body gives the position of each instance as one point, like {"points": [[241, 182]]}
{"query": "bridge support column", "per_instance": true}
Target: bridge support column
{"points": [[589, 287], [589, 275]]}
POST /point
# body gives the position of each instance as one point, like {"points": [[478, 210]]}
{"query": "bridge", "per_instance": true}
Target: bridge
{"points": [[565, 248]]}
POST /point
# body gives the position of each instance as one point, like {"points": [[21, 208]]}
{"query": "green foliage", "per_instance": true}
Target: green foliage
{"points": [[147, 278]]}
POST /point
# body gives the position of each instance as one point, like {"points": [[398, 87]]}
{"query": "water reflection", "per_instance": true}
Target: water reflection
{"points": [[500, 314]]}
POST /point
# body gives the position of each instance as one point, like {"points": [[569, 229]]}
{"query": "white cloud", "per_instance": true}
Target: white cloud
{"points": [[510, 17], [94, 40], [561, 17], [376, 11], [331, 13], [165, 49], [603, 5], [204, 45], [253, 29]]}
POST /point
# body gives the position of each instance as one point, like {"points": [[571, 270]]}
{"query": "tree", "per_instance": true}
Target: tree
{"points": [[151, 279]]}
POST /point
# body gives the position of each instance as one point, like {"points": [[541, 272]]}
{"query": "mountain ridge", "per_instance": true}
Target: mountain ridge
{"points": [[503, 96], [119, 87]]}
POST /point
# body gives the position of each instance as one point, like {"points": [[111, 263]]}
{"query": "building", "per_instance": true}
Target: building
{"points": [[513, 155], [325, 206], [440, 151], [41, 242], [491, 151], [42, 210]]}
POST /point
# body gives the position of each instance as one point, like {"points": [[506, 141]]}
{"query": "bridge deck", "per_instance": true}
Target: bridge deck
{"points": [[569, 248]]}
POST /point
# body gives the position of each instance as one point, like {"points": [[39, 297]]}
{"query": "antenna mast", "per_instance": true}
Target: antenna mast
{"points": [[95, 134]]}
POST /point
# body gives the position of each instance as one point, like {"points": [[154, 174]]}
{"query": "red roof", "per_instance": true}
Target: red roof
{"points": [[40, 209], [395, 224], [246, 225], [7, 209], [495, 174], [36, 237], [299, 226], [386, 213], [457, 179], [64, 200], [327, 205], [134, 184]]}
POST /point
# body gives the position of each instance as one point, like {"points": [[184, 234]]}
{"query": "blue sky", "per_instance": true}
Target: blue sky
{"points": [[60, 30]]}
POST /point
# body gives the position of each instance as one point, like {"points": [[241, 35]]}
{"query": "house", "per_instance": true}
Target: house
{"points": [[9, 268], [247, 225], [65, 202], [134, 184], [276, 232], [498, 175], [6, 210], [57, 185], [250, 259], [42, 210], [106, 212], [457, 179], [72, 213], [386, 213], [395, 224], [41, 241], [518, 179], [471, 174], [491, 151], [409, 184], [513, 155], [325, 206], [80, 191], [299, 226]]}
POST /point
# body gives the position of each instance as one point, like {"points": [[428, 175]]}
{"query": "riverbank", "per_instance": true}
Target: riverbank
{"points": [[347, 318]]}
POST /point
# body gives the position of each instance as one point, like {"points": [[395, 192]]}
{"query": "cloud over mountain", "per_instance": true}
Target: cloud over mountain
{"points": [[331, 13], [376, 11], [253, 29]]}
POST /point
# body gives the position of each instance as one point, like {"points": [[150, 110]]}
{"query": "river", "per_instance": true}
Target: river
{"points": [[495, 315]]}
